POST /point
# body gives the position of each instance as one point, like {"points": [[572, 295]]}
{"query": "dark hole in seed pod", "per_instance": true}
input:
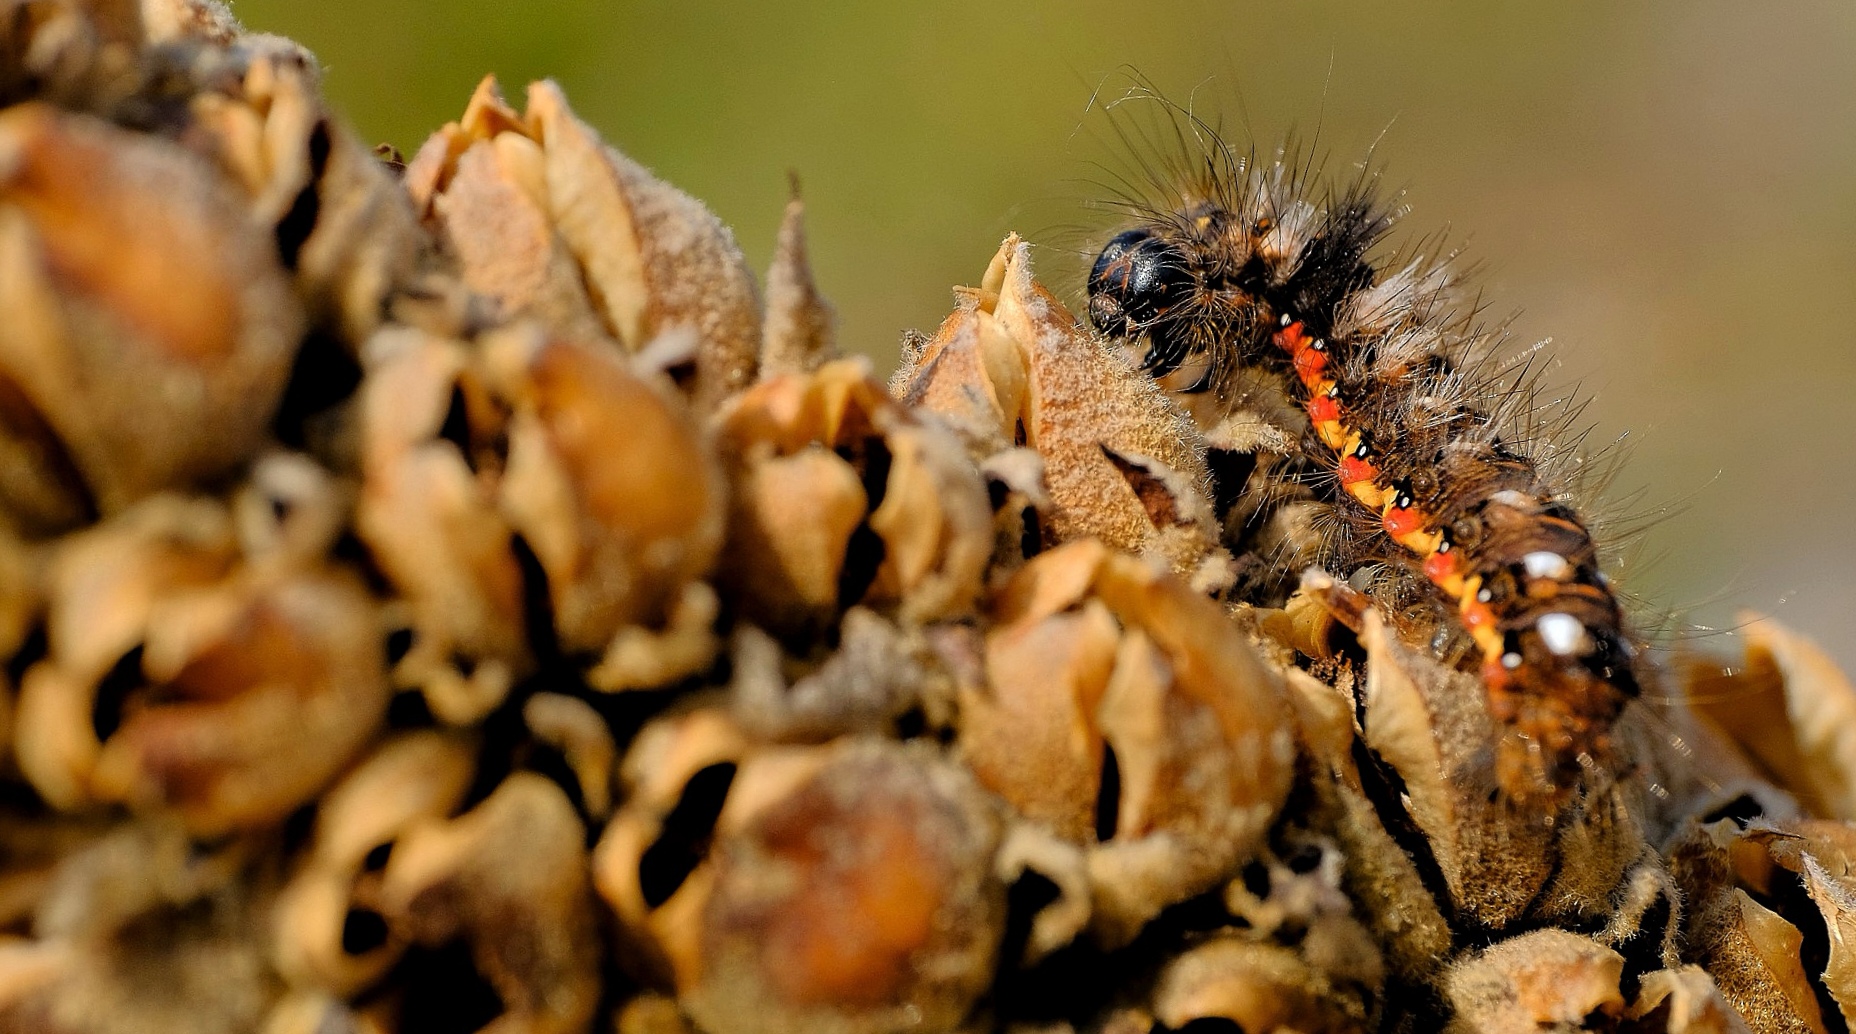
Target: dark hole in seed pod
{"points": [[1108, 796], [1231, 471], [864, 554], [294, 228], [1031, 540], [377, 857], [626, 713], [537, 603], [1028, 895], [503, 740], [1156, 498], [911, 724], [31, 651], [1384, 789], [298, 827], [1741, 809], [443, 991], [1792, 901], [456, 428], [322, 376], [1304, 859], [1643, 949], [1256, 878], [1207, 1025], [1079, 979], [354, 556], [464, 664], [398, 644], [686, 834], [1344, 644], [997, 492], [863, 557], [363, 930], [113, 693], [1018, 434], [409, 710]]}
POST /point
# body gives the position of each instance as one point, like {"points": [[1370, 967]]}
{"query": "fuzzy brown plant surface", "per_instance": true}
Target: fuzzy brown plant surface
{"points": [[456, 594]]}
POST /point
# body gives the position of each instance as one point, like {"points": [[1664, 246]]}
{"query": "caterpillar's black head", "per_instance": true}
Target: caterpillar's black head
{"points": [[1136, 279]]}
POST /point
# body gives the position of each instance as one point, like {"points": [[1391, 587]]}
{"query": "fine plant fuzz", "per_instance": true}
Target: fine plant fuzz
{"points": [[1257, 267]]}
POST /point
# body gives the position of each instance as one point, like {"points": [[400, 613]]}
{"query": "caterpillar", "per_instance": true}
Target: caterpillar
{"points": [[1410, 431]]}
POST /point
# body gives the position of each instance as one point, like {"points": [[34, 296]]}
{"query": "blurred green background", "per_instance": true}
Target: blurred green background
{"points": [[1667, 190]]}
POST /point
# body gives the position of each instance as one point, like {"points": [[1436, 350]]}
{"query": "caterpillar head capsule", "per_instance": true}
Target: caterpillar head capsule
{"points": [[1138, 281]]}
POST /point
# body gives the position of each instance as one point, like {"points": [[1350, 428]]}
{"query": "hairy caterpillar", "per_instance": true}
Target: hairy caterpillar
{"points": [[1408, 434]]}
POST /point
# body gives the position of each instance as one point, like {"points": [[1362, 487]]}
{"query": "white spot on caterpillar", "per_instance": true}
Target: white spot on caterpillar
{"points": [[1544, 564], [1564, 634]]}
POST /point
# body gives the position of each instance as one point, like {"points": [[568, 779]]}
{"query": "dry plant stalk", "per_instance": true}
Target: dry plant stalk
{"points": [[457, 596]]}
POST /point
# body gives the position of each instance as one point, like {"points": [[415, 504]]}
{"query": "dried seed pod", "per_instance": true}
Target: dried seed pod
{"points": [[852, 891], [208, 21], [102, 588], [265, 691], [652, 258], [571, 726], [1123, 463], [844, 887], [1733, 886], [797, 335], [74, 53], [611, 484], [1791, 709], [878, 673], [1030, 730], [1545, 980], [1795, 887], [290, 513], [842, 496], [329, 933], [1259, 987], [143, 933], [1151, 675], [1684, 1001], [1030, 850], [481, 184], [1428, 723], [509, 877], [152, 327], [647, 865], [171, 683], [1391, 894], [430, 519], [341, 223]]}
